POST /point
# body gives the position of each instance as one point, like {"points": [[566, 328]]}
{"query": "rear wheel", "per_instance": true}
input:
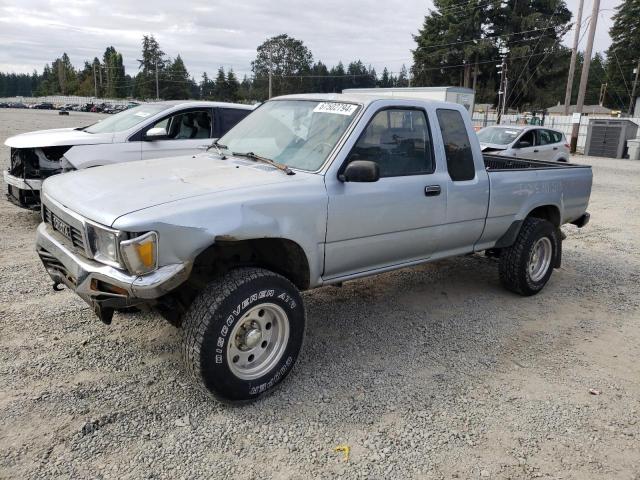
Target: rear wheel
{"points": [[243, 333], [526, 266]]}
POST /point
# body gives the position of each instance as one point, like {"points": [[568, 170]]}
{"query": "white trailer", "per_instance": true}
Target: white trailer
{"points": [[459, 95]]}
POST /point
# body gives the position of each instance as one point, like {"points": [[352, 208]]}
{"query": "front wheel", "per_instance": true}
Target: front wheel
{"points": [[243, 333], [526, 266]]}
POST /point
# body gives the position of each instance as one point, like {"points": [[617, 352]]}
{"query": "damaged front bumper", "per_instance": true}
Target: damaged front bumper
{"points": [[24, 192], [28, 168], [103, 287]]}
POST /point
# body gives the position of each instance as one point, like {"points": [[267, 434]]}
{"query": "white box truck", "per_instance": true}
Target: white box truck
{"points": [[460, 95]]}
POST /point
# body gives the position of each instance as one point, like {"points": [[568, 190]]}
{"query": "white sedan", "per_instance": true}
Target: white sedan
{"points": [[147, 131], [532, 143]]}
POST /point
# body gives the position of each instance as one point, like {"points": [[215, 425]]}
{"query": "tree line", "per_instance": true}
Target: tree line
{"points": [[291, 63], [460, 43]]}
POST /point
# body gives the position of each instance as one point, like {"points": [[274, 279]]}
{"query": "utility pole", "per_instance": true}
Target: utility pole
{"points": [[270, 73], [157, 85], [95, 81], [574, 55], [584, 76], [603, 92], [633, 89], [502, 92], [506, 84]]}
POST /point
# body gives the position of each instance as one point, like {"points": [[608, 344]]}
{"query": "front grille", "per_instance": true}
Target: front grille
{"points": [[76, 234]]}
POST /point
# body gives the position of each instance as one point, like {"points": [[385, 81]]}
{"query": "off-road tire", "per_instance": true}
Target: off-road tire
{"points": [[209, 321], [514, 260]]}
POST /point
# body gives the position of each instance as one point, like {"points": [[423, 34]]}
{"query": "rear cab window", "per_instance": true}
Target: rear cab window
{"points": [[457, 147]]}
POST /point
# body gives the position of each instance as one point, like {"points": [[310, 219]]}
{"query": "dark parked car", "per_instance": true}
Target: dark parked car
{"points": [[44, 106]]}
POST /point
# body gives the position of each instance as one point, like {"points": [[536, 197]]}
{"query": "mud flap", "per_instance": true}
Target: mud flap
{"points": [[557, 261]]}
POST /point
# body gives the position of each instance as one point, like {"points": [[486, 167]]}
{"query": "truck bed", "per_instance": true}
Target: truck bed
{"points": [[496, 163], [517, 186]]}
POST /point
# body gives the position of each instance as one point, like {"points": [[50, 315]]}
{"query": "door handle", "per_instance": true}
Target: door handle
{"points": [[555, 148], [432, 190], [536, 150]]}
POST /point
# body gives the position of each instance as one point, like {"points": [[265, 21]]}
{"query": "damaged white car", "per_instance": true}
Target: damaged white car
{"points": [[147, 131]]}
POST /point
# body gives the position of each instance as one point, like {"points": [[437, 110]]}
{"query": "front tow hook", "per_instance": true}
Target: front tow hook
{"points": [[58, 287]]}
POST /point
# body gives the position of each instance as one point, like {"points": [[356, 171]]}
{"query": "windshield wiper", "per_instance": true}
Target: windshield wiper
{"points": [[268, 161], [219, 147]]}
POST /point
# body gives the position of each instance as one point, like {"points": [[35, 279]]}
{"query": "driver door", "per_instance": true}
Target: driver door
{"points": [[188, 132], [398, 218]]}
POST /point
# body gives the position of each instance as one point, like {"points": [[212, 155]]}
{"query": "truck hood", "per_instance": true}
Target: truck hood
{"points": [[103, 194], [57, 137]]}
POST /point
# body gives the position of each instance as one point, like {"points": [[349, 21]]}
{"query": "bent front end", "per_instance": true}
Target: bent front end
{"points": [[66, 251]]}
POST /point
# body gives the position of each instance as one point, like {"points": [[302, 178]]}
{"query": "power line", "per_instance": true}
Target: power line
{"points": [[488, 37], [515, 84], [521, 91], [621, 73]]}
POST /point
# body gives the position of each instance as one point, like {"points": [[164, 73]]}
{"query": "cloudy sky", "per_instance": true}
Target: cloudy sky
{"points": [[209, 33]]}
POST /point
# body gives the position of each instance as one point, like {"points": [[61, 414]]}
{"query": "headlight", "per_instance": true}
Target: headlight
{"points": [[103, 243], [140, 254]]}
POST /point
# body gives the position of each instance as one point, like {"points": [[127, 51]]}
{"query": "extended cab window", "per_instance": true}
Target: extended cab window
{"points": [[457, 147], [187, 125], [399, 141]]}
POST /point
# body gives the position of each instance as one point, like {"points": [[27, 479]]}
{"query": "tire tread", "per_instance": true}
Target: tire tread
{"points": [[203, 308], [511, 257]]}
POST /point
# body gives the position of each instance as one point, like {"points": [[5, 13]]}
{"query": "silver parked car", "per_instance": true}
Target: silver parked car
{"points": [[532, 143]]}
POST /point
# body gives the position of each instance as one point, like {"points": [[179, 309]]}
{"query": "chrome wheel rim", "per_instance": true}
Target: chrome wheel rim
{"points": [[258, 341], [540, 259]]}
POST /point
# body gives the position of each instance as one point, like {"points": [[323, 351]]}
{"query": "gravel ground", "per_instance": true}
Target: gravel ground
{"points": [[429, 372]]}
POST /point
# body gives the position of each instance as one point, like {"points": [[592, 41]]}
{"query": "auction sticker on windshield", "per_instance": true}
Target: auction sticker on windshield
{"points": [[335, 107]]}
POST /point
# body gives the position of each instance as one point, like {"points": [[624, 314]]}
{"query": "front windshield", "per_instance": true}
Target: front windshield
{"points": [[498, 135], [125, 120], [297, 133]]}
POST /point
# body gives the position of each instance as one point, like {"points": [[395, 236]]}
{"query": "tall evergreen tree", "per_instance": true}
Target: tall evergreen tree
{"points": [[220, 88], [113, 67], [532, 32], [461, 40], [175, 80], [206, 87], [233, 86], [153, 58], [623, 56]]}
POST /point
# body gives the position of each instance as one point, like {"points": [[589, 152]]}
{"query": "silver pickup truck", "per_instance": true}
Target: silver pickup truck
{"points": [[307, 191]]}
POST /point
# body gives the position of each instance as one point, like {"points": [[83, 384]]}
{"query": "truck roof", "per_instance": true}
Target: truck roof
{"points": [[202, 103], [361, 98]]}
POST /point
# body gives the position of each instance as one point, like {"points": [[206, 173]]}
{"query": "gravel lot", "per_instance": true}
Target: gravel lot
{"points": [[430, 372]]}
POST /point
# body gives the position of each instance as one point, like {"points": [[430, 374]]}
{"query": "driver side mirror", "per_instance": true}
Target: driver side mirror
{"points": [[360, 171], [156, 133], [522, 144]]}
